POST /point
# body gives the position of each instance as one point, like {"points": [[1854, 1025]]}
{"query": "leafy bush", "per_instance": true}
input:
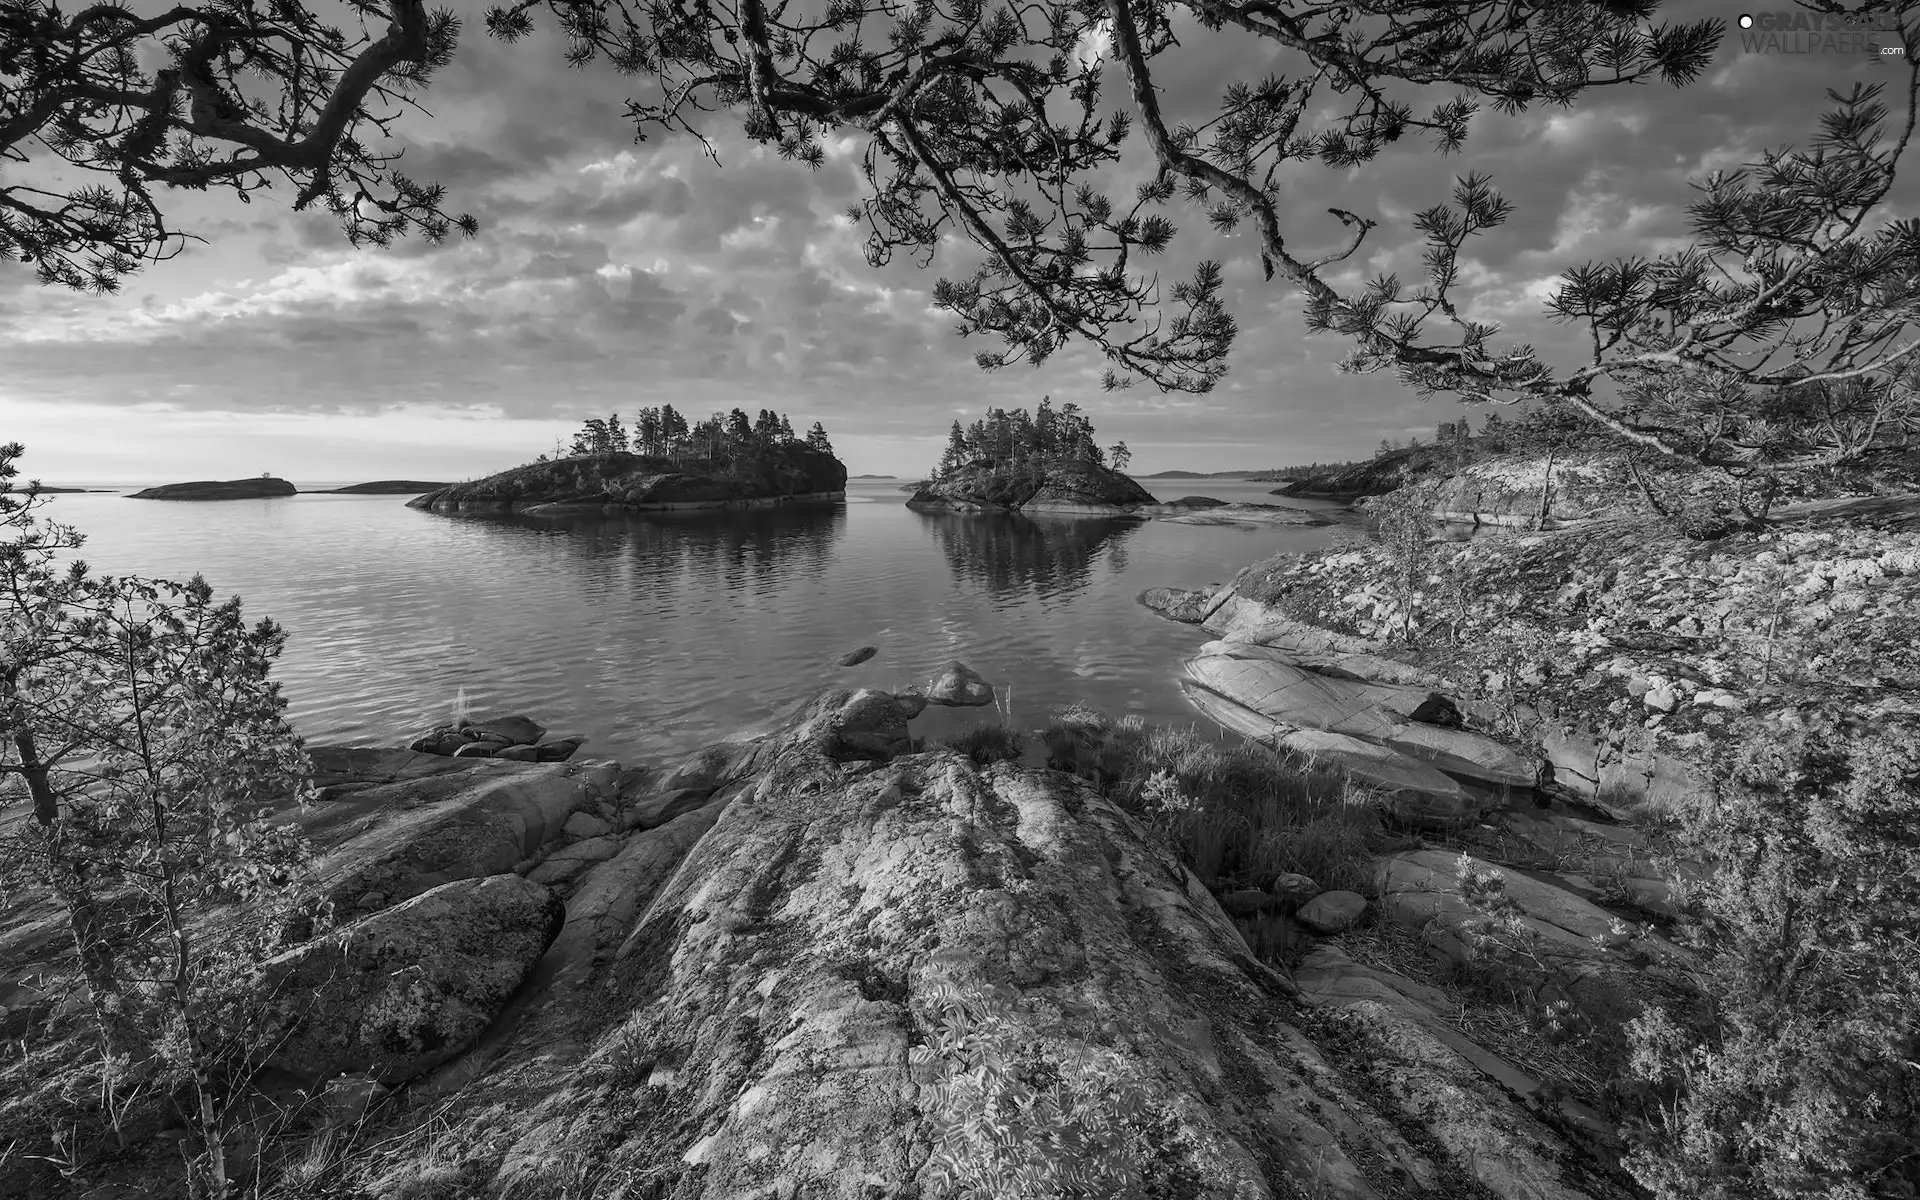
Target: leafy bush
{"points": [[1797, 1070], [1234, 810]]}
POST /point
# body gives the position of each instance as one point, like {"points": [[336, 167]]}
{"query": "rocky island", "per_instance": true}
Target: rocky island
{"points": [[208, 489], [1047, 463], [724, 462]]}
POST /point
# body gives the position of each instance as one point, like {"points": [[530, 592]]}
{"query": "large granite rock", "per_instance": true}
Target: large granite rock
{"points": [[210, 489], [630, 482], [406, 989], [1510, 491], [769, 991], [1066, 487]]}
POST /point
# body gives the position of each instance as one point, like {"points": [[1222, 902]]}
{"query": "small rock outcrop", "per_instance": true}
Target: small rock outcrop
{"points": [[619, 481], [1066, 486], [1182, 605], [854, 658], [208, 489]]}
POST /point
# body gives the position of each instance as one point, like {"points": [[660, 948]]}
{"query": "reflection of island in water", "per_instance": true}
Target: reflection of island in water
{"points": [[1011, 553], [714, 550]]}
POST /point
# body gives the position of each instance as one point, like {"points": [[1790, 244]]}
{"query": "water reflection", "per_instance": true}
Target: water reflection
{"points": [[651, 556], [1012, 555]]}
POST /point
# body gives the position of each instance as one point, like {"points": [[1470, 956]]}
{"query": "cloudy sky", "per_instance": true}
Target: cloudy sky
{"points": [[609, 275]]}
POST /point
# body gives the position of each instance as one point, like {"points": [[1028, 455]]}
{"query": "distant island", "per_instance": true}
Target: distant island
{"points": [[1044, 461], [726, 461], [49, 491], [210, 489], [382, 487], [875, 477]]}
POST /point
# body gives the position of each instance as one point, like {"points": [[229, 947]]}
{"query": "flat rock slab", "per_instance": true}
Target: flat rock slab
{"points": [[1413, 792], [1269, 682]]}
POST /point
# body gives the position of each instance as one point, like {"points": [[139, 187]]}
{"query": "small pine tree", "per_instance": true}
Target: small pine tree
{"points": [[817, 438]]}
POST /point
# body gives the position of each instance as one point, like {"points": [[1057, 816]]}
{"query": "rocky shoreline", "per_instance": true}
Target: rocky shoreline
{"points": [[775, 918], [744, 972]]}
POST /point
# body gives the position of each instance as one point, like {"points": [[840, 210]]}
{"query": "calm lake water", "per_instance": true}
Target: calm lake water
{"points": [[655, 634]]}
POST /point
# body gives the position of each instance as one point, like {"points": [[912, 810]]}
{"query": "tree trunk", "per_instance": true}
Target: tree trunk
{"points": [[1546, 491], [68, 878]]}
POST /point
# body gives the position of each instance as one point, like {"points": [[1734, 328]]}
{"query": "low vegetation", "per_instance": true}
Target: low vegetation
{"points": [[1794, 1069], [141, 743], [987, 743], [1239, 814]]}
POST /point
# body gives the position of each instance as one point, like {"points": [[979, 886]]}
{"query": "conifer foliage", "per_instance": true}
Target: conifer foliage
{"points": [[138, 723], [723, 437], [1003, 440]]}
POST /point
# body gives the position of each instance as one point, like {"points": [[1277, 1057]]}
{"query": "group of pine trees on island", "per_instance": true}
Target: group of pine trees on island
{"points": [[1017, 439], [664, 432]]}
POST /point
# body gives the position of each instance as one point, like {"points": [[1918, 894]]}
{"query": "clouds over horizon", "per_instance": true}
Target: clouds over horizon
{"points": [[609, 275]]}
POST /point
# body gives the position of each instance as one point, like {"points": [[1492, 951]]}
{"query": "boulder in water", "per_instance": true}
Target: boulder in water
{"points": [[958, 685]]}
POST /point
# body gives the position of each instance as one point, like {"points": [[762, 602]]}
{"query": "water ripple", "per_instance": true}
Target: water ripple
{"points": [[655, 634]]}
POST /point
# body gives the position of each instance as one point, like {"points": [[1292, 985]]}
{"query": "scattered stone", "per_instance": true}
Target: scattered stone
{"points": [[582, 825], [1293, 889], [958, 685], [1718, 698], [1661, 698], [519, 754], [478, 750], [912, 704], [1333, 912], [854, 658]]}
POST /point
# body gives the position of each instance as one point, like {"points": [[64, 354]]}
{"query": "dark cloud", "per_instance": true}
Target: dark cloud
{"points": [[609, 273]]}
